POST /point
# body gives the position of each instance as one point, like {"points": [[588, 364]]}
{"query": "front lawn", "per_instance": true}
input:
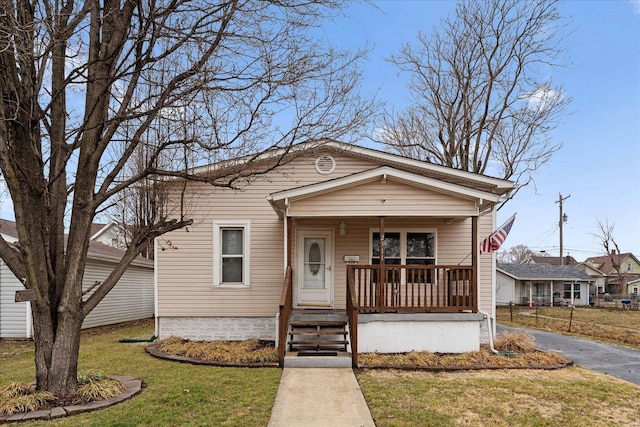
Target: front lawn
{"points": [[570, 397], [176, 393], [180, 394]]}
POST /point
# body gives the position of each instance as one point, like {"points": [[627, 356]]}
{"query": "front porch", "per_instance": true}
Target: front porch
{"points": [[413, 307], [396, 250]]}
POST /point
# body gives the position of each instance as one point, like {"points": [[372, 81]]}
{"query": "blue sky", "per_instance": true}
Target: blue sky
{"points": [[599, 164]]}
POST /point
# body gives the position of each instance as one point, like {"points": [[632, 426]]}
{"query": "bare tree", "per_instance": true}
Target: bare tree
{"points": [[85, 84], [613, 253], [515, 255], [482, 99]]}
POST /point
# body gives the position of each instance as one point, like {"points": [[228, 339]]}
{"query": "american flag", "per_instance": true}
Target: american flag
{"points": [[497, 238]]}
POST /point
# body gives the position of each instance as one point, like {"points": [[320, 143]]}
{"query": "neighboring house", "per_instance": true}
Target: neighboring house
{"points": [[304, 243], [542, 284], [633, 287], [132, 298], [111, 234], [629, 267], [553, 260], [598, 278]]}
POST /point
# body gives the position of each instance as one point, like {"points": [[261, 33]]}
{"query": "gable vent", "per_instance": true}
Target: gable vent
{"points": [[325, 164]]}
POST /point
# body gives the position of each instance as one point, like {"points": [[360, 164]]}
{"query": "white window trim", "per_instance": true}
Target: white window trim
{"points": [[403, 241], [217, 255]]}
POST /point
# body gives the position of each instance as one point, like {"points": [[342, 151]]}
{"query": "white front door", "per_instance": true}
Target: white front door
{"points": [[314, 269]]}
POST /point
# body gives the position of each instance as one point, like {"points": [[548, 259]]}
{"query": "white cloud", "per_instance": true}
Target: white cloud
{"points": [[542, 96]]}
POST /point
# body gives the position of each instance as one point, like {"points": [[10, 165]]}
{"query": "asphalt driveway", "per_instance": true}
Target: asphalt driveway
{"points": [[608, 359]]}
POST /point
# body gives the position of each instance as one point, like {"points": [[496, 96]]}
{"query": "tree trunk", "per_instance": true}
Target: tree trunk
{"points": [[56, 351]]}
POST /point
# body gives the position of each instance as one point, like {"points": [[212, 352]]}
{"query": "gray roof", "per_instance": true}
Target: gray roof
{"points": [[543, 272]]}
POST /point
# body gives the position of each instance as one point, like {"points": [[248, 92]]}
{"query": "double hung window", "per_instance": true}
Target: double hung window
{"points": [[407, 247], [231, 253], [576, 291]]}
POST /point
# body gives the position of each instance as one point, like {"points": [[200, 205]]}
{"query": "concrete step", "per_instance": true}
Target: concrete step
{"points": [[342, 360], [318, 333]]}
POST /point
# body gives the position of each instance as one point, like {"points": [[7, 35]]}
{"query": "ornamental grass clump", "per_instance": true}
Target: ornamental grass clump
{"points": [[21, 397], [519, 342], [515, 350], [94, 385], [241, 352], [99, 390]]}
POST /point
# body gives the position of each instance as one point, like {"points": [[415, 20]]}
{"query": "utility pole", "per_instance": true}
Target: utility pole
{"points": [[563, 219]]}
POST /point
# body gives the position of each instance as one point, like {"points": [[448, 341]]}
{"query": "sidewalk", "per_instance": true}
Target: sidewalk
{"points": [[322, 397]]}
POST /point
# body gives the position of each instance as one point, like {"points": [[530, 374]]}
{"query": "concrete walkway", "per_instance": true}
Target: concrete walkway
{"points": [[620, 362], [322, 397]]}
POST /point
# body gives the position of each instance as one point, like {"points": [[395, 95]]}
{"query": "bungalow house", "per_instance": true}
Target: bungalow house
{"points": [[132, 298], [542, 284], [597, 284], [629, 269], [341, 247]]}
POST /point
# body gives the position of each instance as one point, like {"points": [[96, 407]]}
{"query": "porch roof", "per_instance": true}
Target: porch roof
{"points": [[281, 200]]}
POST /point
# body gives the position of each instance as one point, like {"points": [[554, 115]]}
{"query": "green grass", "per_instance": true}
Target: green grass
{"points": [[567, 397], [177, 394]]}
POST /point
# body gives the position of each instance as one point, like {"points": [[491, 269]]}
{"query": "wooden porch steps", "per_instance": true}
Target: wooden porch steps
{"points": [[318, 335]]}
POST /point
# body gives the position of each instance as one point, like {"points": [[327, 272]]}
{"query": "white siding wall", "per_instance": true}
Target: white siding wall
{"points": [[13, 315], [505, 289], [130, 299]]}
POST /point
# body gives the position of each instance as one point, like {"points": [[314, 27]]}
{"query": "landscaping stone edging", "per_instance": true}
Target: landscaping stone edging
{"points": [[153, 350], [132, 387]]}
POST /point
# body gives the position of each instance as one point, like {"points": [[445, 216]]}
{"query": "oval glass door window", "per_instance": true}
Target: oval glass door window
{"points": [[315, 258]]}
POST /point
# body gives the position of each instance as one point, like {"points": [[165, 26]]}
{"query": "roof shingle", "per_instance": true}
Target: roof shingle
{"points": [[544, 272]]}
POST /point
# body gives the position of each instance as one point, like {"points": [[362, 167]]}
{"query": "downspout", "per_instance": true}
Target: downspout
{"points": [[490, 328], [155, 287]]}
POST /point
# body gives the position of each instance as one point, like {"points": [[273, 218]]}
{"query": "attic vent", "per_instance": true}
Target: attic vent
{"points": [[325, 164]]}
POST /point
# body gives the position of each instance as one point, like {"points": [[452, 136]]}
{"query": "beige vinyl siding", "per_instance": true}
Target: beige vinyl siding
{"points": [[13, 315], [377, 198], [185, 266], [486, 226], [453, 242], [185, 257], [130, 299]]}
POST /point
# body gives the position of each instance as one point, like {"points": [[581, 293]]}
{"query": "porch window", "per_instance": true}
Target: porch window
{"points": [[410, 248], [576, 291], [231, 253]]}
